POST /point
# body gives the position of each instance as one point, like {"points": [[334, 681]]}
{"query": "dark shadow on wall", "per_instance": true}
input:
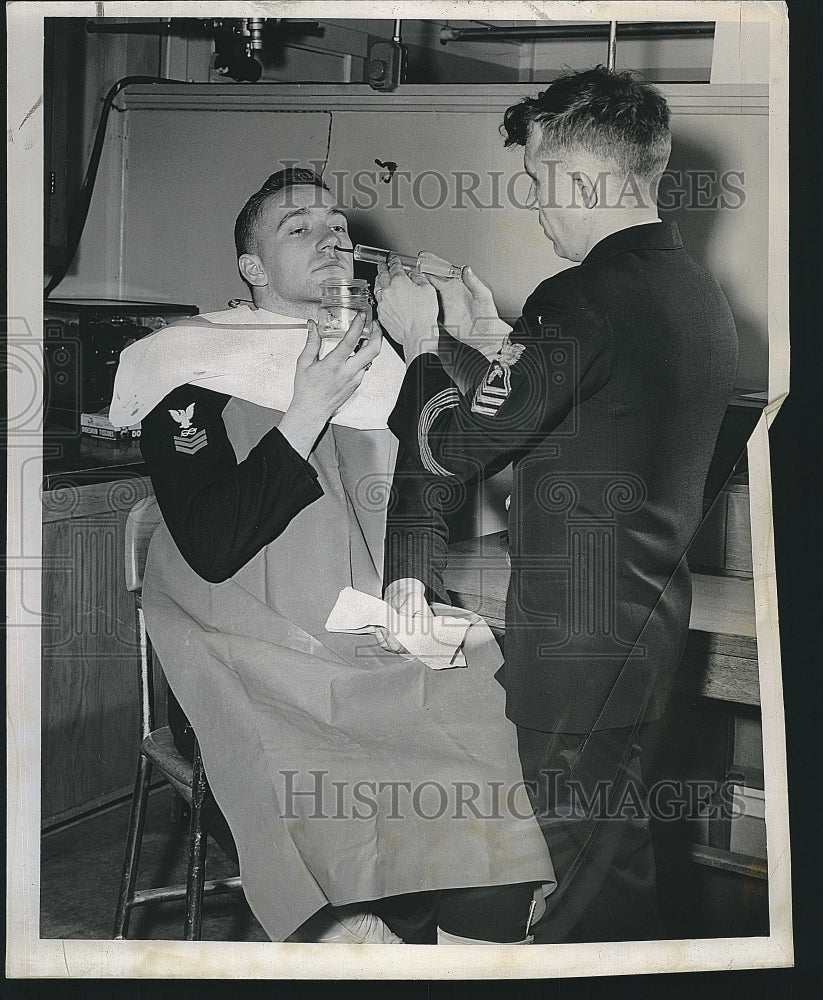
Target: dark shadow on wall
{"points": [[692, 166]]}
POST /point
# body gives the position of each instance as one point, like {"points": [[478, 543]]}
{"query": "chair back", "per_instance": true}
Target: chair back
{"points": [[140, 525], [143, 518]]}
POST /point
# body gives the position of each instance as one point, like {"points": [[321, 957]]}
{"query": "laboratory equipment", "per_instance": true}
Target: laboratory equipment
{"points": [[341, 299], [82, 341], [424, 263]]}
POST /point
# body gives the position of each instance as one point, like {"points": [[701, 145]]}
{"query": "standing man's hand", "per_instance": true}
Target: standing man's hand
{"points": [[407, 307], [322, 385], [469, 312], [408, 598]]}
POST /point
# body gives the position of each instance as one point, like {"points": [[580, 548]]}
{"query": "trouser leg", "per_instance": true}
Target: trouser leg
{"points": [[590, 801], [413, 916], [497, 913]]}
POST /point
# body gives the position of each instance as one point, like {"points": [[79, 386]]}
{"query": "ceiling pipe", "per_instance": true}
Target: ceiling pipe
{"points": [[626, 29], [612, 45]]}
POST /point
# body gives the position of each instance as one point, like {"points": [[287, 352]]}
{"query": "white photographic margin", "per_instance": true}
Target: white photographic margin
{"points": [[29, 956]]}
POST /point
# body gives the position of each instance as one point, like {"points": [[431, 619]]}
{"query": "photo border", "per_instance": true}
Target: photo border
{"points": [[27, 955]]}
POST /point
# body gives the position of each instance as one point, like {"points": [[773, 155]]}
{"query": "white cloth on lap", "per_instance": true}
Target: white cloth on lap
{"points": [[436, 640]]}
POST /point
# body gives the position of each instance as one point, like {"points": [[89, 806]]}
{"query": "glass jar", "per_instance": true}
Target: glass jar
{"points": [[341, 300]]}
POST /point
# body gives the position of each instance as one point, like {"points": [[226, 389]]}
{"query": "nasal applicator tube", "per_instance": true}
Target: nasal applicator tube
{"points": [[423, 263]]}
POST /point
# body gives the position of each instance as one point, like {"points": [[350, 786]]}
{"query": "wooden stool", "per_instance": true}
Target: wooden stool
{"points": [[157, 749]]}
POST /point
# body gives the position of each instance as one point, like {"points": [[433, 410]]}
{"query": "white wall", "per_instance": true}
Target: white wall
{"points": [[188, 172], [681, 59], [106, 59], [174, 177]]}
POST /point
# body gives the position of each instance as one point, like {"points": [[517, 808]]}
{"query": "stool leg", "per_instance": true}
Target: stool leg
{"points": [[176, 810], [198, 841], [134, 839]]}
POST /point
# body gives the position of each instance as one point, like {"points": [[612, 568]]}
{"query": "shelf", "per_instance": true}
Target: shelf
{"points": [[684, 98], [720, 661]]}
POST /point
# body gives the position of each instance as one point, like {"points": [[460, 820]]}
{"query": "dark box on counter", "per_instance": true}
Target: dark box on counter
{"points": [[82, 341]]}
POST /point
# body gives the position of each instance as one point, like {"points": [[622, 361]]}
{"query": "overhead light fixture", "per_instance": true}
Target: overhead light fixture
{"points": [[386, 62], [237, 40]]}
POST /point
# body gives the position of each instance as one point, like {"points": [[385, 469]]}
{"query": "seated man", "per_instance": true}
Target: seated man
{"points": [[346, 774]]}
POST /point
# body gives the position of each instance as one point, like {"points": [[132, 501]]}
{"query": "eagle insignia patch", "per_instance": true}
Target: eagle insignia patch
{"points": [[190, 440], [495, 388]]}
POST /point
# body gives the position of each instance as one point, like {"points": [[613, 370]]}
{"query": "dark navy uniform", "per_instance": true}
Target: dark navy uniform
{"points": [[220, 512], [608, 401]]}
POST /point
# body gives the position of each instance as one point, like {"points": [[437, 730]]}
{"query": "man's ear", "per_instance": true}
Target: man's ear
{"points": [[586, 188], [251, 269]]}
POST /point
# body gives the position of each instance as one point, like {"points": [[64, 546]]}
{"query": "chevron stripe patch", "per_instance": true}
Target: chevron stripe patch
{"points": [[190, 445], [493, 391]]}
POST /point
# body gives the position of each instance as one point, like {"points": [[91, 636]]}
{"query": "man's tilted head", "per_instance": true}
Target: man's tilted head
{"points": [[594, 141], [611, 116], [286, 236], [248, 221]]}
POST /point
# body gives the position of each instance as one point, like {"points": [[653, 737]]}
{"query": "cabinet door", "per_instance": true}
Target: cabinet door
{"points": [[89, 667], [90, 659]]}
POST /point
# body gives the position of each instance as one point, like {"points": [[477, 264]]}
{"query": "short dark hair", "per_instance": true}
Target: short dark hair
{"points": [[613, 116], [248, 221]]}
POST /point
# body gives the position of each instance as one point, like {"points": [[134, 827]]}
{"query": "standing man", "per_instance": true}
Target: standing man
{"points": [[607, 396]]}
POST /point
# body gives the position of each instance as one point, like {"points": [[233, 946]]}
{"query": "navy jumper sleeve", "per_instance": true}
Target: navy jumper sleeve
{"points": [[220, 513], [561, 352], [417, 536]]}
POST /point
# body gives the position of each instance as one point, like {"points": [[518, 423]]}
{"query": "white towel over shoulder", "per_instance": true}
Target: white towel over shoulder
{"points": [[244, 352]]}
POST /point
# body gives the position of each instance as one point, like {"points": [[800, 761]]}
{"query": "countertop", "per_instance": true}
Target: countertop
{"points": [[721, 655], [79, 460], [69, 457]]}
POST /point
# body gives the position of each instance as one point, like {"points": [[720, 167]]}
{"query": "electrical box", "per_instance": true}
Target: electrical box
{"points": [[385, 65], [82, 341]]}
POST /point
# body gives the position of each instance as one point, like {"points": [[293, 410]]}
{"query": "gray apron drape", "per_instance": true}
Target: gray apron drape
{"points": [[346, 773]]}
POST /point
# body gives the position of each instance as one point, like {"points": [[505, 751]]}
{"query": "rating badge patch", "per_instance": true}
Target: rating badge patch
{"points": [[495, 388], [190, 440]]}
